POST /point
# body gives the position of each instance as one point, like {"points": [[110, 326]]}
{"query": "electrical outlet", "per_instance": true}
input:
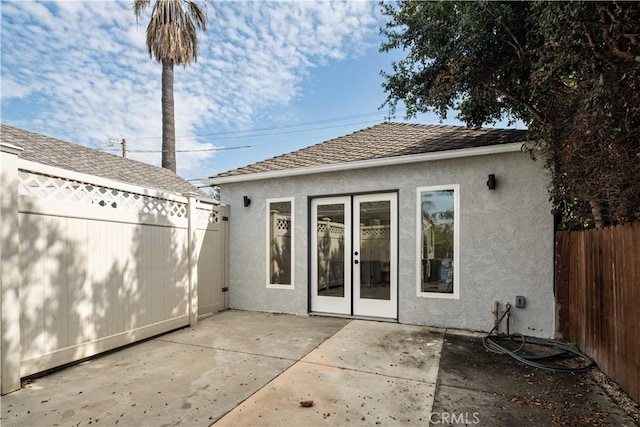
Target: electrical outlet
{"points": [[520, 302]]}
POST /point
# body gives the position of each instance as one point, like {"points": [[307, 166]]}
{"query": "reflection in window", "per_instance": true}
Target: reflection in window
{"points": [[280, 228], [331, 250], [375, 247], [437, 220]]}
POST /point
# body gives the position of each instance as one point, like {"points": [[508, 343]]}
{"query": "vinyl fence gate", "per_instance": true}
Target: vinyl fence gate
{"points": [[90, 264]]}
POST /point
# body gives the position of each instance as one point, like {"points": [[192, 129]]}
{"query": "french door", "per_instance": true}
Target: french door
{"points": [[354, 255]]}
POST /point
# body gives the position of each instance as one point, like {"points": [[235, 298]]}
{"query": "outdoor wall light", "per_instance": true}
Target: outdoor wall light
{"points": [[491, 182], [246, 201]]}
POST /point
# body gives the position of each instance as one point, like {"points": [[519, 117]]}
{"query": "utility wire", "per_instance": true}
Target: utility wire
{"points": [[199, 150], [222, 135]]}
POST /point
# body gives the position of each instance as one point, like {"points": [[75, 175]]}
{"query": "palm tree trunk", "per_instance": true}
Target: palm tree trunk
{"points": [[168, 120]]}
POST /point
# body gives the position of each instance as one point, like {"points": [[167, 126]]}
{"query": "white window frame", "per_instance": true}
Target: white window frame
{"points": [[268, 242], [456, 241]]}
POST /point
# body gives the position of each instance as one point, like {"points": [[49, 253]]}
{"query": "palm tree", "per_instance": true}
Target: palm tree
{"points": [[171, 39]]}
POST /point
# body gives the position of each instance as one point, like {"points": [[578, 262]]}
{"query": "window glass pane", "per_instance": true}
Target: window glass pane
{"points": [[280, 242], [331, 250], [437, 214]]}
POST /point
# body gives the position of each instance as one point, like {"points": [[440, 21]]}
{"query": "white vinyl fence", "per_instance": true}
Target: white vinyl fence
{"points": [[90, 264]]}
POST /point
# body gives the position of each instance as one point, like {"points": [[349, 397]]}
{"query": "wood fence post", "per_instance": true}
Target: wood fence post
{"points": [[9, 271]]}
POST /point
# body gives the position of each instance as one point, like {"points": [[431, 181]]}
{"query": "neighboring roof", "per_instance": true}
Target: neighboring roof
{"points": [[54, 152], [384, 141]]}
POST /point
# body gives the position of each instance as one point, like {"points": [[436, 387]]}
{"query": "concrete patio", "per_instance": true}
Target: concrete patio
{"points": [[248, 368], [354, 371]]}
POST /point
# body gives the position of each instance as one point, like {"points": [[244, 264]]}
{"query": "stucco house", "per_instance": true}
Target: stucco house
{"points": [[419, 224]]}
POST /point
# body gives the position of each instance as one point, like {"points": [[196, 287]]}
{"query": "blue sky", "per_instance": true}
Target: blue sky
{"points": [[275, 75]]}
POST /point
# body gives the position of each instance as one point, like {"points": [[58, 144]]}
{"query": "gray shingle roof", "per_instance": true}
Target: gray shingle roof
{"points": [[384, 141], [54, 152]]}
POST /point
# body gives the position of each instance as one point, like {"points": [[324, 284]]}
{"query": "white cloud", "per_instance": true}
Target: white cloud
{"points": [[87, 67]]}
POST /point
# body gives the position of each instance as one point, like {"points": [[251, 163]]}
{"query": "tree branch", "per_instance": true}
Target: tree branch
{"points": [[633, 38], [606, 35], [592, 45], [517, 46], [536, 114]]}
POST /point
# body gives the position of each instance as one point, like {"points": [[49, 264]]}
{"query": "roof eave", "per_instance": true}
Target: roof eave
{"points": [[372, 163], [9, 148]]}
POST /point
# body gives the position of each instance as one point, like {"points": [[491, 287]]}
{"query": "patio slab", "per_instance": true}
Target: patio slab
{"points": [[367, 373], [267, 334], [390, 349], [187, 377], [154, 383], [340, 397]]}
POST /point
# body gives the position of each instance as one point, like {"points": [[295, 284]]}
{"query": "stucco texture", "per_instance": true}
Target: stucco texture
{"points": [[506, 240]]}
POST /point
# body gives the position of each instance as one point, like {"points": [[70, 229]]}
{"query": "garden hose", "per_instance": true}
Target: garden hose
{"points": [[562, 350]]}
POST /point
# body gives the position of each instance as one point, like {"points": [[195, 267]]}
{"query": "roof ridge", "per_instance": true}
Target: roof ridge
{"points": [[384, 140]]}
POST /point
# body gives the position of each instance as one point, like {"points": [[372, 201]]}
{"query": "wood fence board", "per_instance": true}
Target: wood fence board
{"points": [[590, 307], [571, 282], [615, 350], [562, 284], [574, 332], [601, 297], [583, 293], [631, 304]]}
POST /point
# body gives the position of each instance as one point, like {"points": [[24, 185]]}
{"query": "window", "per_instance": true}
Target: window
{"points": [[280, 243], [437, 241]]}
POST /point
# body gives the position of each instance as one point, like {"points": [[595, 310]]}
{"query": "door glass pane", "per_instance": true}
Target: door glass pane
{"points": [[331, 250], [375, 250], [437, 241]]}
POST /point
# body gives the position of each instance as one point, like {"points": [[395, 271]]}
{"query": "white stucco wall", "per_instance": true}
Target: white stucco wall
{"points": [[506, 240]]}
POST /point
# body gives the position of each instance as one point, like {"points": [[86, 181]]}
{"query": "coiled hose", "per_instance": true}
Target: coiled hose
{"points": [[561, 350]]}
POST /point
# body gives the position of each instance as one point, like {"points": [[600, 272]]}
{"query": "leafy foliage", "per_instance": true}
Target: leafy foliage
{"points": [[569, 70]]}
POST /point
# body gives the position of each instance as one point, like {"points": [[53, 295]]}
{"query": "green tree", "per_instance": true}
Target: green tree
{"points": [[569, 70], [171, 39]]}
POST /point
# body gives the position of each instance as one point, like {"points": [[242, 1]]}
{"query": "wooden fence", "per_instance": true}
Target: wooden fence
{"points": [[598, 299]]}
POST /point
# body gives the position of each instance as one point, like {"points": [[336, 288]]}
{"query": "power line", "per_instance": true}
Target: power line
{"points": [[229, 134], [201, 150], [195, 150]]}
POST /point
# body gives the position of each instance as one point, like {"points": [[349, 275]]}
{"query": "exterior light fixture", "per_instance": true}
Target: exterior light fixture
{"points": [[246, 201], [491, 182]]}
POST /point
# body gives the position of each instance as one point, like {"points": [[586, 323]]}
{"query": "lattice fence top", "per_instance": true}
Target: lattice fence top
{"points": [[280, 225], [283, 224], [335, 229], [56, 188], [375, 231], [207, 216]]}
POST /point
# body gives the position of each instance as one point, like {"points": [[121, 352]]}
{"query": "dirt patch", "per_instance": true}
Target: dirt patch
{"points": [[501, 390]]}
